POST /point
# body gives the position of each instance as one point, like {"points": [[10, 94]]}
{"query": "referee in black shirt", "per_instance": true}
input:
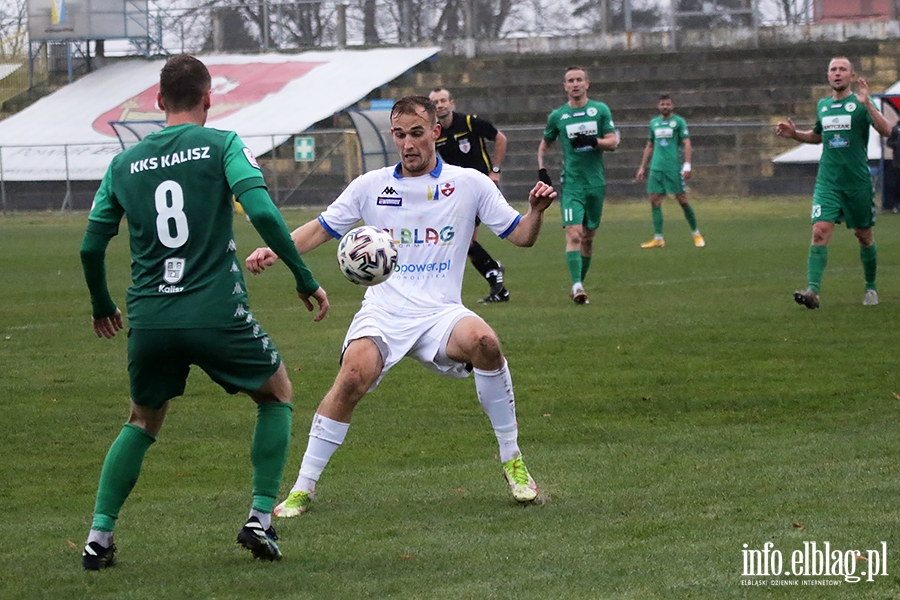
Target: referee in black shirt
{"points": [[462, 143]]}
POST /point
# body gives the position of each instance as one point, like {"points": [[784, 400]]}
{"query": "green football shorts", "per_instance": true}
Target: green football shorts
{"points": [[665, 182], [582, 206], [159, 360], [856, 208]]}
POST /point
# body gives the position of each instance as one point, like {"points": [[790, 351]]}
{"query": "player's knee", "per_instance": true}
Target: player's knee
{"points": [[352, 383], [485, 352], [574, 236]]}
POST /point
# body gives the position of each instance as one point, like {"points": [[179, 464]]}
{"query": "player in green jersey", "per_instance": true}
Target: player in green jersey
{"points": [[586, 130], [668, 135], [187, 304], [843, 192]]}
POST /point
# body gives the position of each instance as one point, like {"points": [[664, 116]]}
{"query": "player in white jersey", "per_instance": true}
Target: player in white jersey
{"points": [[430, 207]]}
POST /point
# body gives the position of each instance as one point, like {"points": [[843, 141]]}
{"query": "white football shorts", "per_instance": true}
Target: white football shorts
{"points": [[422, 338]]}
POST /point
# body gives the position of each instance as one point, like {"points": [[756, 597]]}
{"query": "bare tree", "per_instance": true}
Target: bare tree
{"points": [[488, 16], [793, 12], [717, 13], [370, 22], [644, 14], [13, 29]]}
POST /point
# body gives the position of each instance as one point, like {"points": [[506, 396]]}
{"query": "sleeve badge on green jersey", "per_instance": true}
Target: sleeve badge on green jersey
{"points": [[248, 154]]}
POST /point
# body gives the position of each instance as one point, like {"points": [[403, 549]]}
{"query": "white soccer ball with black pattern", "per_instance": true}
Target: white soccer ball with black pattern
{"points": [[367, 255]]}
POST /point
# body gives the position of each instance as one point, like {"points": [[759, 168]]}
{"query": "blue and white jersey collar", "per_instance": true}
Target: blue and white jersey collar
{"points": [[436, 172]]}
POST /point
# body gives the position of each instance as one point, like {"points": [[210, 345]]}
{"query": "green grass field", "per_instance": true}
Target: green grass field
{"points": [[691, 409]]}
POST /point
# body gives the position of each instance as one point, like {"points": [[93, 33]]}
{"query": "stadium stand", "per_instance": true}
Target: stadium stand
{"points": [[730, 97]]}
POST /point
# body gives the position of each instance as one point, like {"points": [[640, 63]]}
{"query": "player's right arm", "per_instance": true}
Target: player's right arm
{"points": [[103, 224], [787, 129], [648, 152], [271, 227], [306, 238]]}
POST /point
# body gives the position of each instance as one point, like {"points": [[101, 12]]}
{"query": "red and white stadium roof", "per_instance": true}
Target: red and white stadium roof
{"points": [[265, 98]]}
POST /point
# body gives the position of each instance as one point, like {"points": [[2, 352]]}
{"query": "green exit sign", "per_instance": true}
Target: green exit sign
{"points": [[304, 149]]}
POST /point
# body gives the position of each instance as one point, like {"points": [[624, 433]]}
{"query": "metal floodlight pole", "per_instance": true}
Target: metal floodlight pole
{"points": [[67, 201], [604, 18], [2, 183], [673, 25], [470, 28], [265, 24], [341, 25], [754, 21]]}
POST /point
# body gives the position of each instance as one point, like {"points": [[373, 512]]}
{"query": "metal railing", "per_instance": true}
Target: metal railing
{"points": [[729, 158]]}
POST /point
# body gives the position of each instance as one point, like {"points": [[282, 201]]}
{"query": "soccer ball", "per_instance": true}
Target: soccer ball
{"points": [[367, 255]]}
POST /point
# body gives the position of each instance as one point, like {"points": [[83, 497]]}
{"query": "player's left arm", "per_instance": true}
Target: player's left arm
{"points": [[539, 200], [880, 124], [271, 227], [500, 143], [688, 151]]}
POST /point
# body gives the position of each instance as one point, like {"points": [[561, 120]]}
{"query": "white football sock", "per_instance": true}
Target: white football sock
{"points": [[104, 538], [325, 437], [495, 393], [265, 519]]}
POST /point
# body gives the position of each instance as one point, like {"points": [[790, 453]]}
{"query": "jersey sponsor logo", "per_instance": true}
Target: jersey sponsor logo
{"points": [[664, 132], [428, 235], [587, 128], [850, 106], [591, 111], [447, 188], [664, 143], [176, 158], [174, 270], [836, 123], [838, 142], [389, 201], [580, 113], [248, 154], [430, 268], [169, 289]]}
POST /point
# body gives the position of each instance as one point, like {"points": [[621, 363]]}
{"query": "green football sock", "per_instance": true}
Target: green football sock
{"points": [[869, 257], [119, 474], [815, 266], [585, 265], [689, 215], [656, 212], [268, 454], [573, 261]]}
